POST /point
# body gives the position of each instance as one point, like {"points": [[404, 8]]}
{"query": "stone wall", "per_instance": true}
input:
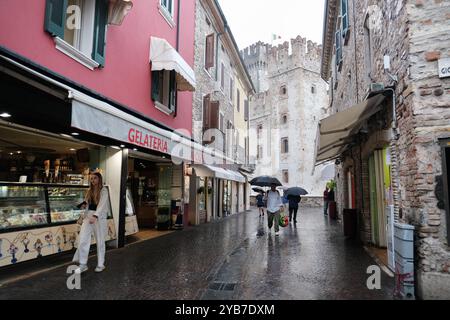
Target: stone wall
{"points": [[414, 34]]}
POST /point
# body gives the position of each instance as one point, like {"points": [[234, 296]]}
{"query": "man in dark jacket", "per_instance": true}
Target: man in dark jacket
{"points": [[293, 206]]}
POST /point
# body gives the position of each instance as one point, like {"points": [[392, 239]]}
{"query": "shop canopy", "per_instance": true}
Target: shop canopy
{"points": [[203, 170], [335, 132], [164, 57]]}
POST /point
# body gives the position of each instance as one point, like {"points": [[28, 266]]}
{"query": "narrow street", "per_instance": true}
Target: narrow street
{"points": [[231, 259]]}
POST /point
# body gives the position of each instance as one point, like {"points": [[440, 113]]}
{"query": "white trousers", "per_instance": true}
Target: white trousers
{"points": [[99, 229]]}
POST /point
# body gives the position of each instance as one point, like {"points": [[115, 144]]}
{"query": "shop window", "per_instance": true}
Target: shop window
{"points": [[79, 28], [164, 90], [284, 145]]}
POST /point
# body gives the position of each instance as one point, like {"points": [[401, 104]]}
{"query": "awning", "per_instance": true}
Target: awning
{"points": [[164, 57], [203, 170], [335, 132]]}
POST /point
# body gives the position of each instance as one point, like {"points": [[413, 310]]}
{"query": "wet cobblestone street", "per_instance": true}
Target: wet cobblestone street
{"points": [[235, 258]]}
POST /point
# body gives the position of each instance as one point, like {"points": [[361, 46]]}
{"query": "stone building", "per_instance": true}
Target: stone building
{"points": [[382, 61], [219, 117], [291, 98]]}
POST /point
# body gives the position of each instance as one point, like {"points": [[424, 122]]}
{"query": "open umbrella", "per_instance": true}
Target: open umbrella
{"points": [[296, 191], [258, 190], [265, 181]]}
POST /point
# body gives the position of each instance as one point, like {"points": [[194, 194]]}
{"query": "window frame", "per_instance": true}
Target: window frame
{"points": [[166, 99], [285, 145]]}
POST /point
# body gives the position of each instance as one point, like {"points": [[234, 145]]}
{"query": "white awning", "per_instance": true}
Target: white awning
{"points": [[164, 57], [335, 132], [203, 170], [236, 176]]}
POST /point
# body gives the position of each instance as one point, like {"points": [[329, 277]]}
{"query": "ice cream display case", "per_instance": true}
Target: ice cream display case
{"points": [[40, 219]]}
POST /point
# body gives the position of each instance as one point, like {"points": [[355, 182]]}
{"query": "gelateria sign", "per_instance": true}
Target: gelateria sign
{"points": [[148, 140]]}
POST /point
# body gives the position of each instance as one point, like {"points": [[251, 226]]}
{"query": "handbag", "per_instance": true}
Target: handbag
{"points": [[284, 220]]}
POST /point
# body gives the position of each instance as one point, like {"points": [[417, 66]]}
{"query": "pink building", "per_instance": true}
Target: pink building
{"points": [[93, 85]]}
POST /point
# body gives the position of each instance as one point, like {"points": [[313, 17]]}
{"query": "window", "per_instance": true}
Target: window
{"points": [[231, 90], [209, 51], [338, 49], [164, 90], [284, 145], [313, 89], [283, 90], [259, 130], [246, 110], [344, 15], [284, 118], [222, 79], [168, 6], [79, 28], [238, 102], [285, 174], [259, 153]]}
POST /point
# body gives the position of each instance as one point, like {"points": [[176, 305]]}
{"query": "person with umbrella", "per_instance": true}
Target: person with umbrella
{"points": [[274, 205], [294, 197], [260, 203]]}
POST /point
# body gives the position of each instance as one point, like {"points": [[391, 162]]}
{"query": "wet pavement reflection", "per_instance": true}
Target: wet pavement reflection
{"points": [[235, 258]]}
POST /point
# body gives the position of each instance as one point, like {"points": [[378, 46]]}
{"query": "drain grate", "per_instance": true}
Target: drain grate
{"points": [[222, 286]]}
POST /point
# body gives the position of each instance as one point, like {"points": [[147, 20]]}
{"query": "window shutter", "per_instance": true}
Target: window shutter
{"points": [[101, 21], [206, 113], [344, 14], [155, 85], [55, 17], [238, 103], [172, 91], [209, 63], [222, 81], [338, 48], [214, 114]]}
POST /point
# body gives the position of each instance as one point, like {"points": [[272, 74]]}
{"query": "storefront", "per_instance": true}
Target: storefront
{"points": [[43, 179]]}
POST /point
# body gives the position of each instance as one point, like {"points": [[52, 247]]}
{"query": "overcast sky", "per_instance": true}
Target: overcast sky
{"points": [[256, 20]]}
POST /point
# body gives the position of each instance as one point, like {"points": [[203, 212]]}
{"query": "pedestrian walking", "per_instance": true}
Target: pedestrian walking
{"points": [[325, 201], [274, 205], [293, 206], [96, 207], [260, 203]]}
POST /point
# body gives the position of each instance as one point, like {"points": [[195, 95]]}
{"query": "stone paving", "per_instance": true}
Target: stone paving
{"points": [[235, 258]]}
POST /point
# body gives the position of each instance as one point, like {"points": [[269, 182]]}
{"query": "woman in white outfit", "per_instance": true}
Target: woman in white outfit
{"points": [[94, 222]]}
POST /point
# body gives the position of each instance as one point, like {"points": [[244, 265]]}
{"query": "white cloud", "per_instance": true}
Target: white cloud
{"points": [[256, 20]]}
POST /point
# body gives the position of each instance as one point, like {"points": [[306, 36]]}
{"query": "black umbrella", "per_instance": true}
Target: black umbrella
{"points": [[296, 191], [265, 181], [258, 190]]}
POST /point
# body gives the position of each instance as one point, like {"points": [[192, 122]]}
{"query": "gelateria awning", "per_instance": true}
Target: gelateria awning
{"points": [[164, 57], [335, 132]]}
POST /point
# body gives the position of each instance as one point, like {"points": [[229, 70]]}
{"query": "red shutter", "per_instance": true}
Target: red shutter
{"points": [[209, 63], [214, 114], [206, 113]]}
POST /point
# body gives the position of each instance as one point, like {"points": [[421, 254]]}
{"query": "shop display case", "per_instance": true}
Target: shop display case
{"points": [[29, 206]]}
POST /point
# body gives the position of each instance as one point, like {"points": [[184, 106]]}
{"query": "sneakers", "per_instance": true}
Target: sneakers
{"points": [[99, 268], [82, 268]]}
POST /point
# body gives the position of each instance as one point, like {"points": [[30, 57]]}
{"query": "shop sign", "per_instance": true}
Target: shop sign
{"points": [[147, 140], [444, 68]]}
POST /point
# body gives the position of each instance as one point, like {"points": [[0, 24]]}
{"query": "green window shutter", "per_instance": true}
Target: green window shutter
{"points": [[101, 21], [55, 17], [173, 91], [338, 48], [155, 85], [344, 13]]}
